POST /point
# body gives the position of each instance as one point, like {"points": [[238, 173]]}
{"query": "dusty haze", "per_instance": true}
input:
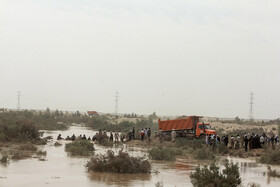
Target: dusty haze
{"points": [[172, 57]]}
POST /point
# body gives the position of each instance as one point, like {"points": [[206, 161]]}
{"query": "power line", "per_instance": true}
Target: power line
{"points": [[18, 100], [116, 104], [251, 106]]}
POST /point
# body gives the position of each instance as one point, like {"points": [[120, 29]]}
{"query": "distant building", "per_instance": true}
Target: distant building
{"points": [[92, 113]]}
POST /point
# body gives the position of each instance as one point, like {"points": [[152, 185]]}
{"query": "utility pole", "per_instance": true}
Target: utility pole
{"points": [[116, 104], [251, 106], [18, 100]]}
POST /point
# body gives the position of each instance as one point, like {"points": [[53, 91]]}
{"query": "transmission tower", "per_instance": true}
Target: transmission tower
{"points": [[116, 104], [18, 100], [251, 106]]}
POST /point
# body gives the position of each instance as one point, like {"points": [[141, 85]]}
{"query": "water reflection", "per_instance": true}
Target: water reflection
{"points": [[119, 179]]}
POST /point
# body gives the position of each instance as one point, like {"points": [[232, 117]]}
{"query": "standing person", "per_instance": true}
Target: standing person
{"points": [[100, 136], [173, 135], [161, 136], [272, 141], [232, 142], [218, 139], [133, 133], [226, 141], [73, 137], [142, 134], [146, 133], [237, 142], [111, 136], [250, 141], [261, 141], [149, 134], [246, 140], [116, 136]]}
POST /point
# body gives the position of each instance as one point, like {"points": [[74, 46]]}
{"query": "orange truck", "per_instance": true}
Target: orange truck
{"points": [[190, 127]]}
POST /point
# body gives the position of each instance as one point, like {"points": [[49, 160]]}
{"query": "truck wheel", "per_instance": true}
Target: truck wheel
{"points": [[202, 136]]}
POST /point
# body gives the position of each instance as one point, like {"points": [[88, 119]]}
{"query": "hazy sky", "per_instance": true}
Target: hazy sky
{"points": [[174, 57]]}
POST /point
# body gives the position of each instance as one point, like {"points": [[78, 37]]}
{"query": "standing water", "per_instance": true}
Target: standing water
{"points": [[59, 169]]}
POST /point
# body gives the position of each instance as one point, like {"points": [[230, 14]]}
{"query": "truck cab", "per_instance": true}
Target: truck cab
{"points": [[203, 129]]}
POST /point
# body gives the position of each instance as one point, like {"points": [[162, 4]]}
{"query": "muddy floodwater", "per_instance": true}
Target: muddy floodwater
{"points": [[61, 170]]}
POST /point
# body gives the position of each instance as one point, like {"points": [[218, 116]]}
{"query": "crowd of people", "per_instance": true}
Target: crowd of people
{"points": [[101, 135], [246, 141]]}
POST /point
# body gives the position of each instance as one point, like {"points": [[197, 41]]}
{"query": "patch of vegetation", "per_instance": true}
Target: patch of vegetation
{"points": [[271, 157], [17, 155], [18, 131], [4, 159], [106, 143], [160, 153], [159, 184], [120, 163], [80, 148], [56, 144], [42, 120], [190, 144], [212, 176], [252, 184], [272, 173], [104, 122], [41, 153], [27, 147], [204, 154]]}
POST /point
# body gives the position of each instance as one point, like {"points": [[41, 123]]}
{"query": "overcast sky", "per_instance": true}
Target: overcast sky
{"points": [[174, 57]]}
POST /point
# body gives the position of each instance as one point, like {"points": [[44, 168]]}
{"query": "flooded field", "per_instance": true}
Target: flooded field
{"points": [[61, 170]]}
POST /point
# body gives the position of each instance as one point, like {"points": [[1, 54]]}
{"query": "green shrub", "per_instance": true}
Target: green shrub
{"points": [[212, 176], [120, 163], [271, 157], [4, 159], [80, 148], [160, 153]]}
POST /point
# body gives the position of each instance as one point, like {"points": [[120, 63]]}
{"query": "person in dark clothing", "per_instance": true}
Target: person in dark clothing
{"points": [[246, 140], [133, 133], [89, 138], [59, 137], [272, 141], [130, 135], [226, 140], [84, 137], [73, 137], [111, 136], [149, 134], [250, 142], [218, 139]]}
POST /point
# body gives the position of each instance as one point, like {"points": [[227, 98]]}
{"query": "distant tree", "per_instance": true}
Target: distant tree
{"points": [[48, 111], [237, 120], [153, 116], [77, 114], [56, 113]]}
